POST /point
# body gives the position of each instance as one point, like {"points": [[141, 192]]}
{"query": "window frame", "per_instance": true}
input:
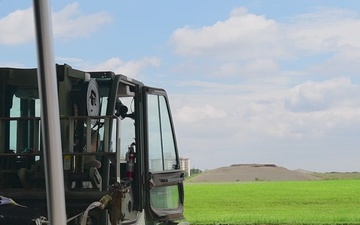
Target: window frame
{"points": [[164, 178]]}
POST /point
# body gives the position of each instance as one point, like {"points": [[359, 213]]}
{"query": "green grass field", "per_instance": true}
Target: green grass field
{"points": [[296, 202]]}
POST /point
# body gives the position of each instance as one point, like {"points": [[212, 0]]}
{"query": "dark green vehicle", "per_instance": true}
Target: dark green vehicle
{"points": [[120, 158]]}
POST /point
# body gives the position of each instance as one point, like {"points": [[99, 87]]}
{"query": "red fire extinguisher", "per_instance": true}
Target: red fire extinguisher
{"points": [[130, 158]]}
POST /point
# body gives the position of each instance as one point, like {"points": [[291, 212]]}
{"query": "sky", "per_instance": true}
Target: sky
{"points": [[252, 81]]}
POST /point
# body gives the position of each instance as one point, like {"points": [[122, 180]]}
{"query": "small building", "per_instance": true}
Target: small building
{"points": [[185, 165]]}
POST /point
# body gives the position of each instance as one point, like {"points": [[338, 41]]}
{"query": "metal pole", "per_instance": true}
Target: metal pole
{"points": [[50, 117]]}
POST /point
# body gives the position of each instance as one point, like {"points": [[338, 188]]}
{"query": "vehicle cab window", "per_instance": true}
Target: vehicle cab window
{"points": [[162, 153]]}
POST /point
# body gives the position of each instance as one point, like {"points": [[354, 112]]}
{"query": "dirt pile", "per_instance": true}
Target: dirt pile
{"points": [[252, 172]]}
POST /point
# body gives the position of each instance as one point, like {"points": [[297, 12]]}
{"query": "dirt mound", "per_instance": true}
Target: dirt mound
{"points": [[252, 172]]}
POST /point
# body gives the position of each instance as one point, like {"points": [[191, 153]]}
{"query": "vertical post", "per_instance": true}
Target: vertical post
{"points": [[50, 121]]}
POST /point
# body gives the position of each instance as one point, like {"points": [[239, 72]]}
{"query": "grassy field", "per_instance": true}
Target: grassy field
{"points": [[296, 202]]}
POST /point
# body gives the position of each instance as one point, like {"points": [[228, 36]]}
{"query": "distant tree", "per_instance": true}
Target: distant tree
{"points": [[195, 171]]}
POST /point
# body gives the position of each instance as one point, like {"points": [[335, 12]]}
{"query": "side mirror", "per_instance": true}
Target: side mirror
{"points": [[121, 110]]}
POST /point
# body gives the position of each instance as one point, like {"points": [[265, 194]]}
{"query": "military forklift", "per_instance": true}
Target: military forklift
{"points": [[119, 152]]}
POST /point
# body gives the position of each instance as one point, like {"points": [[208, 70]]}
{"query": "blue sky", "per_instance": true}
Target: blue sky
{"points": [[249, 81]]}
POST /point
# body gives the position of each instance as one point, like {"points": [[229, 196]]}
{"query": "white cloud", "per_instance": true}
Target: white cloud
{"points": [[246, 43], [18, 27], [269, 114], [343, 63], [247, 69], [68, 60], [200, 113], [326, 29], [133, 68], [269, 124], [71, 23], [242, 35], [320, 96], [263, 66], [12, 64]]}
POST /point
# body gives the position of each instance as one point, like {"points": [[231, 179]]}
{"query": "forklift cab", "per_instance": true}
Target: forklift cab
{"points": [[118, 144]]}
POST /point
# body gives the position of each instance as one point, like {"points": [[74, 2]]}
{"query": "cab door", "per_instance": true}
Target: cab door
{"points": [[165, 193]]}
